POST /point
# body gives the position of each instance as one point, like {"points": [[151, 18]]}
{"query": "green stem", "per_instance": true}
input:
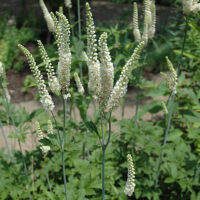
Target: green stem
{"points": [[63, 147], [137, 106], [172, 105], [59, 137], [6, 141], [104, 147], [165, 139], [79, 19], [47, 177], [79, 36]]}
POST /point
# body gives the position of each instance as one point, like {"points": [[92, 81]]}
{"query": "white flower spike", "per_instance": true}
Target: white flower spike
{"points": [[93, 63], [47, 16], [45, 98], [107, 71], [130, 184], [120, 88]]}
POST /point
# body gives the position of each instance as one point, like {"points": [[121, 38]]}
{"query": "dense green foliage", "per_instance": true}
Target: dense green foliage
{"points": [[180, 163]]}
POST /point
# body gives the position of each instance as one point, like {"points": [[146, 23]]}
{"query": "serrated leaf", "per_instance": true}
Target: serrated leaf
{"points": [[92, 127]]}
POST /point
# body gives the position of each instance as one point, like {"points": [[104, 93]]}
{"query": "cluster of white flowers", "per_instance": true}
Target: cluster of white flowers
{"points": [[93, 63], [149, 21], [120, 87], [45, 98], [190, 6], [106, 70], [1, 69], [136, 31], [40, 136], [172, 78], [52, 79], [68, 3], [78, 83], [62, 30], [101, 74], [62, 83], [130, 184], [47, 16]]}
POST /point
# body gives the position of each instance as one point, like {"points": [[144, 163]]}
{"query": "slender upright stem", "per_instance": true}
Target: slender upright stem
{"points": [[79, 19], [103, 160], [104, 147], [63, 147], [172, 105], [137, 106], [6, 141], [59, 137], [47, 177], [79, 35], [165, 138]]}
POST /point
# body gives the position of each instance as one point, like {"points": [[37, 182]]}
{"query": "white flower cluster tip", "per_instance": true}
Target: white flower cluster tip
{"points": [[47, 16], [149, 21], [40, 136], [93, 63], [68, 3], [1, 69], [120, 87], [78, 83], [130, 184], [62, 30], [106, 70], [45, 98], [190, 6], [172, 79], [52, 79]]}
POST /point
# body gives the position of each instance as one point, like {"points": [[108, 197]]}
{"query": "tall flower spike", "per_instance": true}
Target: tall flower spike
{"points": [[52, 79], [47, 16], [147, 12], [1, 69], [106, 70], [78, 83], [130, 184], [40, 136], [145, 33], [63, 43], [152, 27], [120, 88], [94, 83], [136, 31], [68, 3], [190, 6], [173, 76], [45, 98]]}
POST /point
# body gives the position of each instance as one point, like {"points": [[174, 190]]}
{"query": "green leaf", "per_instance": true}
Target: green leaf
{"points": [[174, 135], [92, 127]]}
